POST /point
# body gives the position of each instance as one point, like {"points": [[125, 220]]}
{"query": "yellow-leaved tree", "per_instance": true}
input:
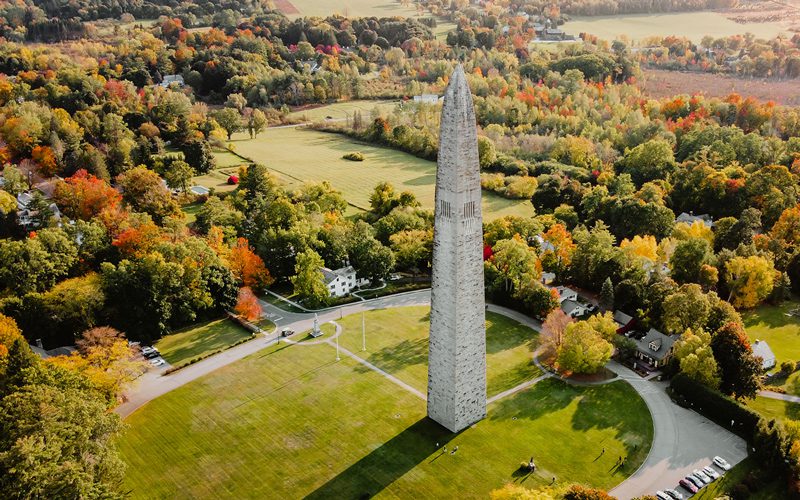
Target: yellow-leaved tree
{"points": [[750, 280]]}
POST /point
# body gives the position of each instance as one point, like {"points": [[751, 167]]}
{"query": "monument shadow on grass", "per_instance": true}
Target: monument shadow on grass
{"points": [[387, 463]]}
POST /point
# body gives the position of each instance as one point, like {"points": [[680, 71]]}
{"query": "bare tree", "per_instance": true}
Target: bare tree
{"points": [[553, 331]]}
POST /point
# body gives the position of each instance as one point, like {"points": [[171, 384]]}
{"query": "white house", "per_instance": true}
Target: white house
{"points": [[690, 219], [170, 79], [574, 309], [427, 98], [761, 349], [565, 293], [342, 281]]}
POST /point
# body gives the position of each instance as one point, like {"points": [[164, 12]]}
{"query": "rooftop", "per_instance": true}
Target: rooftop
{"points": [[656, 344]]}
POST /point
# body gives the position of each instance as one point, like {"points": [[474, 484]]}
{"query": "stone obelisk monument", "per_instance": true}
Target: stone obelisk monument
{"points": [[457, 352]]}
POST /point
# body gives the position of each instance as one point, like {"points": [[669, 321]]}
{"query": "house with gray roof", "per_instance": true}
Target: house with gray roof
{"points": [[654, 350], [341, 282]]}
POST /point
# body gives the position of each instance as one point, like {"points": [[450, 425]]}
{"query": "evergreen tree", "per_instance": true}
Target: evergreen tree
{"points": [[607, 295]]}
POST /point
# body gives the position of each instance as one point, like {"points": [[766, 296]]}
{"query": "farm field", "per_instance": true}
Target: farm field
{"points": [[781, 332], [693, 25], [355, 8], [274, 424], [397, 342], [343, 110], [299, 155], [200, 339], [660, 83]]}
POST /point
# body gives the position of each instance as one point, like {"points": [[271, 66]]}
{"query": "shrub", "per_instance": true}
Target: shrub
{"points": [[355, 156]]}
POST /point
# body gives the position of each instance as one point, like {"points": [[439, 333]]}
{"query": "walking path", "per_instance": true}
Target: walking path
{"points": [[682, 439], [778, 395]]}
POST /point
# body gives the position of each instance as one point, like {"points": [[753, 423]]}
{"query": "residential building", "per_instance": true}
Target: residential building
{"points": [[690, 219], [170, 79], [624, 321], [574, 309], [565, 293], [654, 350], [341, 282], [427, 98], [762, 350]]}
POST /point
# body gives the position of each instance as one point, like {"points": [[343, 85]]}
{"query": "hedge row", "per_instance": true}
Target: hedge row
{"points": [[721, 409]]}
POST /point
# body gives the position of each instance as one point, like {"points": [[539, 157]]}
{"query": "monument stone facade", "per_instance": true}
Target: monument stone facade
{"points": [[457, 351]]}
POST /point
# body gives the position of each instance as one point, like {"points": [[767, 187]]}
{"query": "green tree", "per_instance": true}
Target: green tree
{"points": [[371, 259], [649, 161], [584, 349], [179, 175], [38, 262], [14, 180], [686, 308], [688, 259], [229, 119], [199, 155], [607, 295], [739, 368], [308, 281], [256, 122], [487, 153], [412, 249], [695, 357]]}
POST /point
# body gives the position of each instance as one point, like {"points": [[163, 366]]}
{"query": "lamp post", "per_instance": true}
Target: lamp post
{"points": [[363, 333], [337, 349]]}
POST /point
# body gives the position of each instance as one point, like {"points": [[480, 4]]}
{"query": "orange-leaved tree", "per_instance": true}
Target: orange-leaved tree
{"points": [[248, 267], [84, 196], [247, 305]]}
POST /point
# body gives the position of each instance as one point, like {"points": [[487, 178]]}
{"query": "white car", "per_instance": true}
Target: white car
{"points": [[711, 472], [674, 494], [701, 476], [158, 362], [722, 463], [662, 496]]}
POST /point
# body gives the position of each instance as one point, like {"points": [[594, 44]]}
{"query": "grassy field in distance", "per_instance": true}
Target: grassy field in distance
{"points": [[781, 332], [290, 421], [297, 155], [693, 25]]}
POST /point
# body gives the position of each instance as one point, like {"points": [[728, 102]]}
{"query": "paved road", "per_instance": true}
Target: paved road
{"points": [[154, 383], [683, 440], [778, 395]]}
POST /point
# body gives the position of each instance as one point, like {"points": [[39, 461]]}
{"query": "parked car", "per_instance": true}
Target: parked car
{"points": [[150, 352], [674, 494], [711, 473], [721, 463], [701, 476], [286, 332], [688, 485], [662, 496], [158, 362], [696, 481]]}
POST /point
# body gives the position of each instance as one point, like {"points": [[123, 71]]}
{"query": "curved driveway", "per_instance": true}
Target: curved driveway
{"points": [[682, 440]]}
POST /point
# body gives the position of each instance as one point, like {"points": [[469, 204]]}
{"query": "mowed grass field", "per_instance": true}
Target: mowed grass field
{"points": [[693, 25], [781, 332], [201, 339], [299, 155], [290, 422], [397, 342]]}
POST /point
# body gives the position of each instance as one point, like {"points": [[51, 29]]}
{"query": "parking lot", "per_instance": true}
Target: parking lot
{"points": [[682, 442]]}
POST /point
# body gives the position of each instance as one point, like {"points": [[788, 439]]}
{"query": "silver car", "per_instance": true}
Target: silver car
{"points": [[722, 463], [674, 494], [701, 476], [711, 473]]}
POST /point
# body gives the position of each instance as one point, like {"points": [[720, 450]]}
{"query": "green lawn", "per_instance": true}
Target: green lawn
{"points": [[781, 332], [200, 339], [693, 25], [290, 421], [397, 341], [775, 408], [300, 155], [327, 329]]}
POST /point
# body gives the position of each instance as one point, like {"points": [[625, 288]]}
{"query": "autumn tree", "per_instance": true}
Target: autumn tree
{"points": [[695, 357], [247, 305], [557, 253], [739, 368], [178, 175], [105, 358], [229, 119], [247, 267], [686, 308], [583, 350], [83, 196], [8, 333], [749, 279], [553, 328], [687, 259], [143, 190]]}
